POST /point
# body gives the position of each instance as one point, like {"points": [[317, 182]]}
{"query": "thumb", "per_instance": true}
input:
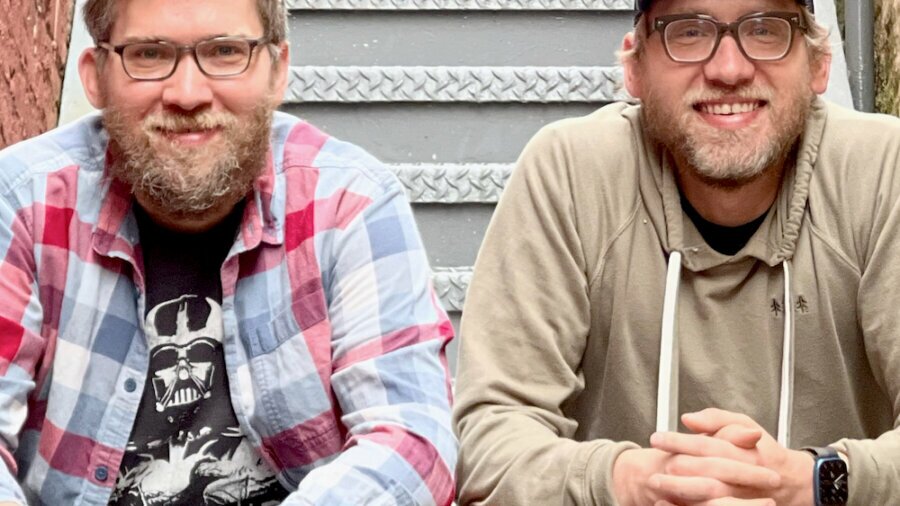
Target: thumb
{"points": [[740, 436]]}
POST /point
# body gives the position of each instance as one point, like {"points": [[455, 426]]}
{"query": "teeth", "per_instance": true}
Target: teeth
{"points": [[725, 109]]}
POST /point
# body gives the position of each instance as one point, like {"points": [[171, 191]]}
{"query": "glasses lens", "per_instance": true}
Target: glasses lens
{"points": [[224, 57], [765, 38], [690, 40], [148, 61]]}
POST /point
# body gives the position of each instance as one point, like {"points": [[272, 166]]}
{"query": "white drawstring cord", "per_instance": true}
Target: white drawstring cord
{"points": [[786, 401], [667, 392], [667, 387]]}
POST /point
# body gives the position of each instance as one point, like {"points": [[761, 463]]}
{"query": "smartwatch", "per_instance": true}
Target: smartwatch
{"points": [[831, 481]]}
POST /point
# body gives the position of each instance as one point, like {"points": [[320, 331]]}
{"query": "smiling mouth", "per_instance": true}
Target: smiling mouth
{"points": [[185, 131], [188, 136], [729, 108]]}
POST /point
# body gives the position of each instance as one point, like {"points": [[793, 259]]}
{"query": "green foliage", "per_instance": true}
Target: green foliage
{"points": [[839, 5], [887, 56]]}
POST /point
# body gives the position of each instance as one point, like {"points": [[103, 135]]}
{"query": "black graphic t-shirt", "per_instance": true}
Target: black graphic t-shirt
{"points": [[186, 447]]}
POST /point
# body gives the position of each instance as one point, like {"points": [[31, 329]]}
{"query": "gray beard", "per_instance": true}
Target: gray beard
{"points": [[723, 158]]}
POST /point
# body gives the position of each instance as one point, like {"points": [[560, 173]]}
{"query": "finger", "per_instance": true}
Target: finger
{"points": [[727, 471], [688, 488], [733, 501], [711, 420], [740, 436], [724, 501], [700, 445]]}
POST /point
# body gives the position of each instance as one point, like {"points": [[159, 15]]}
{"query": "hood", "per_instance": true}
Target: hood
{"points": [[776, 238]]}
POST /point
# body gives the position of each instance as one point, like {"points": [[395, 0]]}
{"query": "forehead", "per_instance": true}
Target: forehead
{"points": [[185, 20], [723, 10]]}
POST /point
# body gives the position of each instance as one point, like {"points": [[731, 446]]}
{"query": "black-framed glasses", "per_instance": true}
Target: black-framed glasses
{"points": [[761, 36], [157, 60]]}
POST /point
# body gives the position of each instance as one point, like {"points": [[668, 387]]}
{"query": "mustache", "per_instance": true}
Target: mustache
{"points": [[761, 93], [206, 120]]}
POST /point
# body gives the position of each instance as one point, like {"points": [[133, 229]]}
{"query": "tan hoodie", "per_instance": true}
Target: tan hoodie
{"points": [[559, 365]]}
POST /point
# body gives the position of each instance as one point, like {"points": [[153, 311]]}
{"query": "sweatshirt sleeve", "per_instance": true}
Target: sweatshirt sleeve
{"points": [[524, 331], [875, 463]]}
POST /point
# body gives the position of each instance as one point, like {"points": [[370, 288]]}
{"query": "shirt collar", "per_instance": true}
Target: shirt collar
{"points": [[116, 232]]}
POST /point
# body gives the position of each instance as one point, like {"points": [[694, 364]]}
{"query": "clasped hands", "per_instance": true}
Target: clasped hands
{"points": [[729, 460]]}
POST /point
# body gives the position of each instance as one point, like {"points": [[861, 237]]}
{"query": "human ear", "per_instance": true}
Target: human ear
{"points": [[630, 66], [821, 68], [280, 72], [89, 71]]}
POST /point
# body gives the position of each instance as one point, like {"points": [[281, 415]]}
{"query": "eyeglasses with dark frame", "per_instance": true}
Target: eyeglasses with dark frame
{"points": [[157, 60], [760, 36]]}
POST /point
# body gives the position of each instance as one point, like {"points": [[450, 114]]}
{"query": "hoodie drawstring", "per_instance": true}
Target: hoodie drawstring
{"points": [[667, 391], [786, 398], [667, 388]]}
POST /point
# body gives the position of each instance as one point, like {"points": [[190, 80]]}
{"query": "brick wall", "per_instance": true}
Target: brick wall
{"points": [[34, 37]]}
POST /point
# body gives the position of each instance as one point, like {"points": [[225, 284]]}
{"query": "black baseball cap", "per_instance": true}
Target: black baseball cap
{"points": [[644, 5]]}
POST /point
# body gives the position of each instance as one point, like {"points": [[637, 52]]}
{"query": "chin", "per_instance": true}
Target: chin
{"points": [[732, 165]]}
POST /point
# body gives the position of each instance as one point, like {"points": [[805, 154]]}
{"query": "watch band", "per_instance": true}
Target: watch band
{"points": [[821, 451]]}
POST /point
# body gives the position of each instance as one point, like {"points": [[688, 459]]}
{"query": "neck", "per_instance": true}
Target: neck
{"points": [[731, 206], [187, 223]]}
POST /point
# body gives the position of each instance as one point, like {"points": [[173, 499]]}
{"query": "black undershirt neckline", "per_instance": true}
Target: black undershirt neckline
{"points": [[726, 240]]}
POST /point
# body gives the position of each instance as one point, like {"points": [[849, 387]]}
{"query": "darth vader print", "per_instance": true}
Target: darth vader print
{"points": [[186, 446]]}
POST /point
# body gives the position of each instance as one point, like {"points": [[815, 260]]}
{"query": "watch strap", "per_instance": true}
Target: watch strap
{"points": [[821, 451]]}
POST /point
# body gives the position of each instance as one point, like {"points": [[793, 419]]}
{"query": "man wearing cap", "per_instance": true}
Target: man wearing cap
{"points": [[693, 300], [204, 301]]}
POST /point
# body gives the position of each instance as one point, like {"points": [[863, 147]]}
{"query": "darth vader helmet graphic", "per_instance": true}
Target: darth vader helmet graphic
{"points": [[183, 364]]}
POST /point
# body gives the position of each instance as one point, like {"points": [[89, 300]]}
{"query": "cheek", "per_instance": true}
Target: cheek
{"points": [[242, 98], [136, 99], [671, 93]]}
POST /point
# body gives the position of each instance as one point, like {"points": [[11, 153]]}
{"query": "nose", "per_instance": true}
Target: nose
{"points": [[728, 66], [188, 88]]}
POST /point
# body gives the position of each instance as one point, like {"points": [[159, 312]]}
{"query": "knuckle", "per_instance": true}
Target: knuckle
{"points": [[712, 489], [706, 446], [677, 465]]}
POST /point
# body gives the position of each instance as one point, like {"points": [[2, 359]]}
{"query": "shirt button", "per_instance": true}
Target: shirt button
{"points": [[101, 473], [130, 385]]}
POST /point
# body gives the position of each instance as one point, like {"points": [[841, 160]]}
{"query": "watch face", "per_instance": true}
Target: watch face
{"points": [[833, 481]]}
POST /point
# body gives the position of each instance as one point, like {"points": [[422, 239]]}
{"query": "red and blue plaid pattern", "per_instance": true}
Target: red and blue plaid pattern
{"points": [[334, 340]]}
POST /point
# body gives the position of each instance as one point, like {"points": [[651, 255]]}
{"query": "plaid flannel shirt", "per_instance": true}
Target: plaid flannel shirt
{"points": [[334, 340]]}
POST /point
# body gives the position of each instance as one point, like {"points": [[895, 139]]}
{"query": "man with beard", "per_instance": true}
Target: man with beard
{"points": [[206, 302], [700, 291]]}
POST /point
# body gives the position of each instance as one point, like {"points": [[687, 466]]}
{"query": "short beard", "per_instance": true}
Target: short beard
{"points": [[187, 182], [727, 158]]}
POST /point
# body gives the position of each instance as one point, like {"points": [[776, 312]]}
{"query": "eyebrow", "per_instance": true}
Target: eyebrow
{"points": [[697, 12], [137, 39]]}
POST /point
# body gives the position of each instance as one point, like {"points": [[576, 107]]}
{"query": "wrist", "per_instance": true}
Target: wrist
{"points": [[798, 479], [631, 471], [623, 470]]}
